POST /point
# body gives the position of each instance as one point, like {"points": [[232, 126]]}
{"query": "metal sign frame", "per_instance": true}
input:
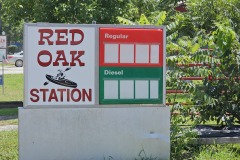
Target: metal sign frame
{"points": [[95, 63]]}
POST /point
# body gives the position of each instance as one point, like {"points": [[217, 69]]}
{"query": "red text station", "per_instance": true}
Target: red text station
{"points": [[60, 95]]}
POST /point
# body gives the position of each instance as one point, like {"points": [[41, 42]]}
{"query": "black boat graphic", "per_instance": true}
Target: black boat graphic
{"points": [[61, 81]]}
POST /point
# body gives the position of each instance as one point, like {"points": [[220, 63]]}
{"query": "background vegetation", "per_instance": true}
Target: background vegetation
{"points": [[13, 88], [207, 33]]}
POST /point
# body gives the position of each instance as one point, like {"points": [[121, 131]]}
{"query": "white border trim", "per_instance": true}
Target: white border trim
{"points": [[164, 64], [25, 59]]}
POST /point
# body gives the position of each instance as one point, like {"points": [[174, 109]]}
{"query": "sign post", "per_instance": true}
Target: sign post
{"points": [[3, 46], [1, 78], [94, 92]]}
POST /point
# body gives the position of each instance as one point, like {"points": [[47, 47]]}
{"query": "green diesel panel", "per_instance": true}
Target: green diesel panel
{"points": [[131, 85]]}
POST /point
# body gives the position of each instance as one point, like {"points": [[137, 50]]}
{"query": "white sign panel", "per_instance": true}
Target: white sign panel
{"points": [[3, 41], [59, 65]]}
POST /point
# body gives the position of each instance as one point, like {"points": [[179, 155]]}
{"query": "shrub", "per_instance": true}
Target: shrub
{"points": [[12, 49]]}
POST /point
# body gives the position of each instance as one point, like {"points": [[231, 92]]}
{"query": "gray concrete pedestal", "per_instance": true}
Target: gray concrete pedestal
{"points": [[94, 133]]}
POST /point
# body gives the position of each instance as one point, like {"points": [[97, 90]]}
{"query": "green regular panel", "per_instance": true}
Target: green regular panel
{"points": [[131, 85]]}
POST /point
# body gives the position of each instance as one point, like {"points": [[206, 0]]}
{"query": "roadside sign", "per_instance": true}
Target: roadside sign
{"points": [[1, 79], [81, 72], [2, 76], [3, 46], [60, 65], [67, 65], [131, 66], [3, 41]]}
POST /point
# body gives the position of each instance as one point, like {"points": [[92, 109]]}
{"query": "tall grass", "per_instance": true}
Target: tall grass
{"points": [[219, 152]]}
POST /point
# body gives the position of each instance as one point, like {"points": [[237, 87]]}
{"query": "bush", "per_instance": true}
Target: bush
{"points": [[12, 49], [220, 97]]}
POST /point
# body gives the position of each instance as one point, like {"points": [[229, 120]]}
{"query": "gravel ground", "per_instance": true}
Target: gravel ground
{"points": [[7, 117], [11, 70], [8, 127]]}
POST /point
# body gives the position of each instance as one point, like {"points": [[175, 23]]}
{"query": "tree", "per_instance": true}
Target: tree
{"points": [[216, 30], [221, 98], [214, 42], [194, 37], [204, 13], [16, 12], [207, 33], [61, 11]]}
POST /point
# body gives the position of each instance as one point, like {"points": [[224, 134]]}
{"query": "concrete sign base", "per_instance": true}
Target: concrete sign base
{"points": [[94, 133]]}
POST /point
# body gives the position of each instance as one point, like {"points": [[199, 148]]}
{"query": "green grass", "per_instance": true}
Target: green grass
{"points": [[9, 122], [9, 112], [13, 88], [180, 97], [6, 64], [8, 145], [220, 152]]}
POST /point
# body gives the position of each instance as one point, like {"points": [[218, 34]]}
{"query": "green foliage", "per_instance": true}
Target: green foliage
{"points": [[181, 137], [143, 20], [14, 32], [12, 49], [78, 11], [220, 96], [160, 18], [224, 36], [218, 152], [125, 21], [148, 8], [208, 33], [204, 13], [16, 12]]}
